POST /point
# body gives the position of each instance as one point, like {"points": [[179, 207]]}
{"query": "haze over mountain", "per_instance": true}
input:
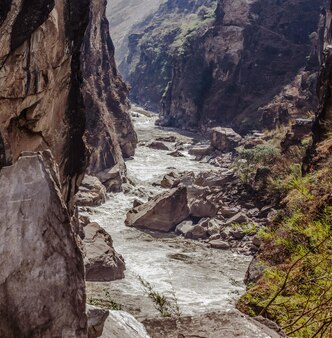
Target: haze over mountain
{"points": [[122, 16]]}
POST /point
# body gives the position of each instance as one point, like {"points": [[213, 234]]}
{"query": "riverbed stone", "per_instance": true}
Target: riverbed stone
{"points": [[176, 153], [111, 178], [201, 150], [202, 208], [120, 324], [162, 213], [227, 211], [214, 227], [157, 145], [197, 232], [239, 218], [102, 262], [184, 227], [91, 192], [225, 139], [219, 244], [96, 320], [237, 234], [222, 324]]}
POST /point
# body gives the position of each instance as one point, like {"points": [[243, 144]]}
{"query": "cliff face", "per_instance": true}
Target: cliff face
{"points": [[320, 153], [155, 43], [45, 89], [110, 134], [64, 105], [227, 68]]}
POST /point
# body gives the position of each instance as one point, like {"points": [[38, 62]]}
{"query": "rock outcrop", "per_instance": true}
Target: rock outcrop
{"points": [[92, 192], [49, 97], [225, 139], [102, 262], [320, 153], [42, 291], [110, 134], [162, 213], [223, 68], [59, 91], [113, 324]]}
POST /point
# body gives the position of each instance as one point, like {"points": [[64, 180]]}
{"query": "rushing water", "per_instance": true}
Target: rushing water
{"points": [[201, 278]]}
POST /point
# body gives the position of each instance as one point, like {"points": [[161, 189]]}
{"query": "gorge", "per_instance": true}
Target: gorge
{"points": [[202, 211]]}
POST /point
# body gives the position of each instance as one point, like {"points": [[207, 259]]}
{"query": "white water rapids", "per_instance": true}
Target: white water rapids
{"points": [[202, 279]]}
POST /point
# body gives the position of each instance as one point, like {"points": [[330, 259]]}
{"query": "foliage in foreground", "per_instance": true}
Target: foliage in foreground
{"points": [[105, 302], [166, 306], [296, 289]]}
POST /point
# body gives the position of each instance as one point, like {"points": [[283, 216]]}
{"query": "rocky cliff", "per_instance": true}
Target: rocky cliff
{"points": [[54, 96], [221, 68], [110, 134], [63, 111]]}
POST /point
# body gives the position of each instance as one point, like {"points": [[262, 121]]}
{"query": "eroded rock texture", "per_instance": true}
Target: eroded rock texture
{"points": [[50, 100], [54, 96], [110, 134], [42, 291], [320, 153], [223, 69]]}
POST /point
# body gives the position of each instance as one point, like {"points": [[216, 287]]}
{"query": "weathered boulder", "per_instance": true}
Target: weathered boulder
{"points": [[238, 218], [120, 324], [225, 139], [161, 213], [91, 192], [227, 211], [197, 232], [111, 178], [202, 208], [184, 227], [201, 150], [176, 153], [214, 227], [42, 291], [113, 324], [158, 145], [96, 320], [102, 262], [219, 244]]}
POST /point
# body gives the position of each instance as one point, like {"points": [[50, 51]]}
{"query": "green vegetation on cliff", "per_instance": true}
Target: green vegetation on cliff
{"points": [[296, 288]]}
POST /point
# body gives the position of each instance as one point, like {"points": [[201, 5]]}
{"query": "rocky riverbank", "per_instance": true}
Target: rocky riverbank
{"points": [[202, 210]]}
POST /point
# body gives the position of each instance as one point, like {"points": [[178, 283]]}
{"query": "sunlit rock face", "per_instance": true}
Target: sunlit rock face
{"points": [[51, 108], [219, 69], [42, 291], [59, 87]]}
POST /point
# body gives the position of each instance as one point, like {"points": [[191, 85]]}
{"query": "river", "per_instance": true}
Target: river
{"points": [[202, 279]]}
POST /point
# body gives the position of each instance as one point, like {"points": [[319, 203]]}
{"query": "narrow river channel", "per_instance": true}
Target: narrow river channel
{"points": [[202, 279]]}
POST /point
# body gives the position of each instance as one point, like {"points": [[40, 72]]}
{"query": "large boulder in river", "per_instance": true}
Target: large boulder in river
{"points": [[42, 289], [91, 192], [102, 262], [162, 213], [225, 139]]}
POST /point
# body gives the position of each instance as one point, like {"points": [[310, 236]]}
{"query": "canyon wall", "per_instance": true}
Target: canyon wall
{"points": [[321, 150], [63, 111], [225, 68]]}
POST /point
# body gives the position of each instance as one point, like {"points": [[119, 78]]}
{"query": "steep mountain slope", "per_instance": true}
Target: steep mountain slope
{"points": [[290, 279], [219, 67], [122, 16]]}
